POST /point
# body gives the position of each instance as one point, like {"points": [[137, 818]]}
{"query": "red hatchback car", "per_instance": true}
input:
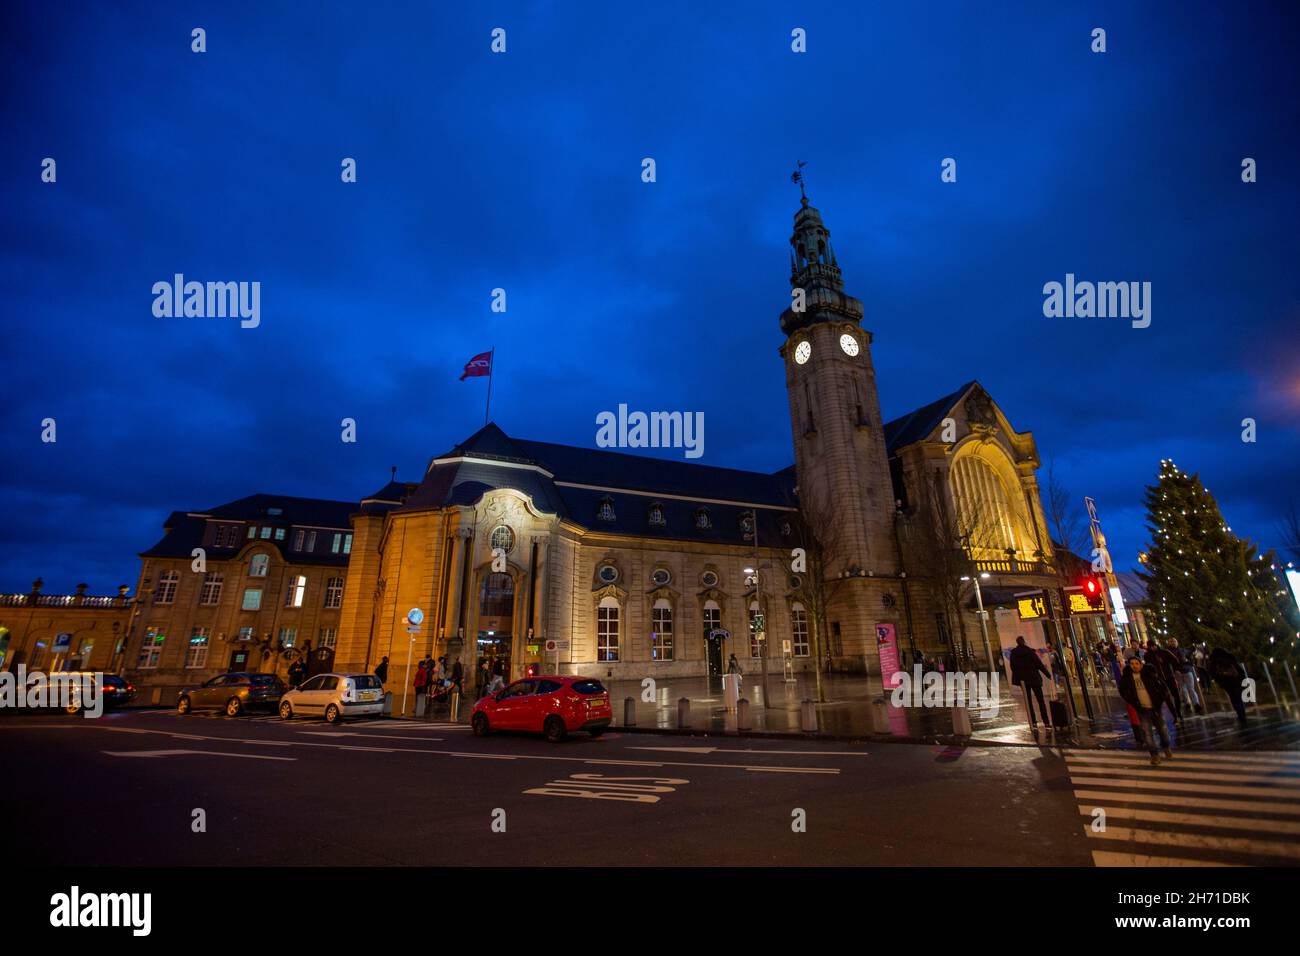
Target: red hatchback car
{"points": [[549, 704]]}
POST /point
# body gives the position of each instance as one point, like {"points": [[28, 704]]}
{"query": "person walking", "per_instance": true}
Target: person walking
{"points": [[1185, 675], [495, 685], [381, 671], [458, 676], [1166, 666], [1144, 691], [482, 678], [1229, 674], [1027, 671], [421, 684]]}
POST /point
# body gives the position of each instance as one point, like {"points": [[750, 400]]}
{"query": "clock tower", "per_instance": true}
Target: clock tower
{"points": [[841, 465]]}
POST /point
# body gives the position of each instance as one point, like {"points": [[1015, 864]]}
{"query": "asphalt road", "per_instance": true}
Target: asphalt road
{"points": [[123, 790]]}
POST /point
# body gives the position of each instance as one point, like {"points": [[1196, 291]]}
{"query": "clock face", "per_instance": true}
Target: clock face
{"points": [[802, 352], [849, 344]]}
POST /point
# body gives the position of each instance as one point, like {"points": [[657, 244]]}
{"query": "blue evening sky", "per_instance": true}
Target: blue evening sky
{"points": [[522, 171]]}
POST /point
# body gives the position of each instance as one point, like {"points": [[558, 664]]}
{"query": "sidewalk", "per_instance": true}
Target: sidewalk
{"points": [[848, 714]]}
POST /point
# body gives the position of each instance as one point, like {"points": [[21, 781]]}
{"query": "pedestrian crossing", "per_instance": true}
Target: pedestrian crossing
{"points": [[1202, 808]]}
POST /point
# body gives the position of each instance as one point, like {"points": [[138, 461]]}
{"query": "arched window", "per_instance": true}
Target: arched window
{"points": [[712, 618], [606, 510], [657, 516], [985, 510], [702, 522], [258, 565], [755, 644], [799, 630], [498, 598], [661, 639], [607, 630]]}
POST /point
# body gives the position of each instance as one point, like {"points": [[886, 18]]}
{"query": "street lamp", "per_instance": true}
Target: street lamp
{"points": [[983, 615]]}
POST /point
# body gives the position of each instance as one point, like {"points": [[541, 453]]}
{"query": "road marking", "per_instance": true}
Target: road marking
{"points": [[1105, 798], [1176, 772], [753, 750], [1199, 841], [1134, 756], [830, 770], [595, 786], [1194, 819], [179, 753], [1176, 785], [345, 733], [1191, 762]]}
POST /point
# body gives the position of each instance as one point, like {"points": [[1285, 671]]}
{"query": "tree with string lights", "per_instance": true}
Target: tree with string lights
{"points": [[1206, 585]]}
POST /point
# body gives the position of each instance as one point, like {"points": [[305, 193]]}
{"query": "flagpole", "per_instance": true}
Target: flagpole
{"points": [[492, 367]]}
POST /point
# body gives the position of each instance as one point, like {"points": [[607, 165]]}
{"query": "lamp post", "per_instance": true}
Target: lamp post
{"points": [[983, 615]]}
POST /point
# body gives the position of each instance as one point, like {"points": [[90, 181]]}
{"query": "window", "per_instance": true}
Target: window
{"points": [[661, 640], [266, 532], [985, 510], [297, 591], [38, 656], [757, 644], [342, 543], [334, 593], [328, 636], [151, 647], [258, 565], [252, 531], [712, 618], [588, 686], [606, 510], [196, 655], [661, 577], [498, 597], [252, 599], [288, 636], [607, 630], [245, 634], [275, 511], [210, 593], [607, 573], [657, 519], [942, 623], [523, 688], [313, 684], [702, 522], [503, 538], [167, 582], [311, 540], [227, 535], [298, 537], [548, 687], [799, 628], [709, 579], [279, 534]]}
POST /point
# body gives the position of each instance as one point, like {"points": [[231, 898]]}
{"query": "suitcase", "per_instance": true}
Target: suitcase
{"points": [[1060, 716]]}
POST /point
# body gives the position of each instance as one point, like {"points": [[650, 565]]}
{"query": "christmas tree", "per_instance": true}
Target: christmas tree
{"points": [[1206, 585]]}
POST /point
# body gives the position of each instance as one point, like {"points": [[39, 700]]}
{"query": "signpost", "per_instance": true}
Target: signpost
{"points": [[414, 618]]}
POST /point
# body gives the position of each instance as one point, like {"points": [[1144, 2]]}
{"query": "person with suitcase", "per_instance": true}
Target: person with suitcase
{"points": [[1027, 671]]}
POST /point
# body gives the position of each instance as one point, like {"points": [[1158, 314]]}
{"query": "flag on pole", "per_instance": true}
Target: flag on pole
{"points": [[480, 364]]}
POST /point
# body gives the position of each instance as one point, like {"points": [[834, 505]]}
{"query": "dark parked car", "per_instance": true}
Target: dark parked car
{"points": [[232, 693]]}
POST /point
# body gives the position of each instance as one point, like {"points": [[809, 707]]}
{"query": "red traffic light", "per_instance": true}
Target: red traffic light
{"points": [[1092, 590]]}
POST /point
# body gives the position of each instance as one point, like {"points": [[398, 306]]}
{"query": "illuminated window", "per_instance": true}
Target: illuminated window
{"points": [[288, 636], [712, 617], [252, 599], [279, 534], [257, 567], [799, 629], [166, 592], [607, 630], [661, 640], [266, 532], [757, 647], [985, 510], [503, 538], [297, 591], [151, 648], [196, 655]]}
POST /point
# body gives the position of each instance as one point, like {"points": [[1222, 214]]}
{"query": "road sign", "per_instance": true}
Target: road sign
{"points": [[415, 617], [63, 644], [552, 646]]}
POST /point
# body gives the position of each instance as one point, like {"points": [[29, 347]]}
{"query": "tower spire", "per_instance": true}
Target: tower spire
{"points": [[815, 269]]}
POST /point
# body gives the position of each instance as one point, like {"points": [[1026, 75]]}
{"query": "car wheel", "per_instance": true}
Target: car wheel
{"points": [[554, 729], [286, 711], [333, 714], [233, 707], [597, 731], [480, 725], [183, 705]]}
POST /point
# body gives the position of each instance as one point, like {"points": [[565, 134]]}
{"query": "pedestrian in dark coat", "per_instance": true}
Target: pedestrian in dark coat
{"points": [[1228, 674], [296, 671], [382, 671], [1144, 691], [1027, 671], [1167, 665], [457, 676]]}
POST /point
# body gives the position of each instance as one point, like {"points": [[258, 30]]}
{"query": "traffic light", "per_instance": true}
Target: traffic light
{"points": [[1093, 591]]}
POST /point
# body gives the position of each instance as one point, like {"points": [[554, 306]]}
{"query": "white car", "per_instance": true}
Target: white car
{"points": [[335, 696]]}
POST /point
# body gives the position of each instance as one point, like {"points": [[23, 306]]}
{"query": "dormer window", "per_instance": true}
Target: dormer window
{"points": [[606, 510], [257, 567], [657, 519], [702, 522]]}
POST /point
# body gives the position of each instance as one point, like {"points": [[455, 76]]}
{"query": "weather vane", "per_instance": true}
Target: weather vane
{"points": [[797, 177]]}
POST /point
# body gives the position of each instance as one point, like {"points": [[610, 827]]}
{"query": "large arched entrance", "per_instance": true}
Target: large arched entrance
{"points": [[496, 610]]}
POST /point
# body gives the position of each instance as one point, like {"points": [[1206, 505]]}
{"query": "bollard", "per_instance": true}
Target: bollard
{"points": [[961, 721], [388, 703], [742, 714], [629, 712], [421, 701], [455, 706], [683, 713], [808, 716], [880, 716], [1290, 680]]}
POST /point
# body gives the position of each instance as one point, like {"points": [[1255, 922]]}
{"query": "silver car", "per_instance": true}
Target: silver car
{"points": [[335, 696]]}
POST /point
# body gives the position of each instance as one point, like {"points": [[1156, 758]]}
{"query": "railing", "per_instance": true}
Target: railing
{"points": [[64, 600]]}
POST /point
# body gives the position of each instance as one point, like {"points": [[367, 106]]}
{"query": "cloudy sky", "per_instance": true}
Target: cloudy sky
{"points": [[522, 171]]}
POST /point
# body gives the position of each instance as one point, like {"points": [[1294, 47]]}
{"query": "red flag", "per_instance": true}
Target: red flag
{"points": [[480, 364]]}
